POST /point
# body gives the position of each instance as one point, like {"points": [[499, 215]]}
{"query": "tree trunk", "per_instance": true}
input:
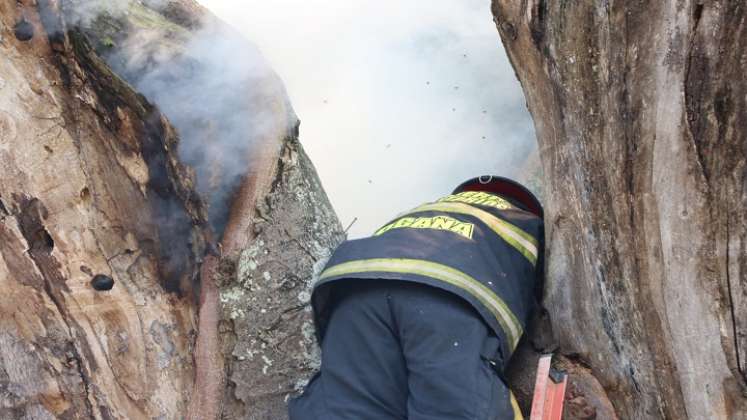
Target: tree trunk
{"points": [[86, 177], [640, 113], [92, 191]]}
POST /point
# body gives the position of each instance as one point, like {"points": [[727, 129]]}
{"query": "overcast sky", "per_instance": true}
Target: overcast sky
{"points": [[399, 101]]}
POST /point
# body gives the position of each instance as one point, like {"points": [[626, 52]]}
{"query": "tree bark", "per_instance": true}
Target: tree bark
{"points": [[640, 114], [639, 109], [87, 173], [92, 191]]}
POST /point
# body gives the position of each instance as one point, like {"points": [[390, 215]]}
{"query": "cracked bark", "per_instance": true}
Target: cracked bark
{"points": [[640, 115], [90, 185], [86, 170], [40, 246]]}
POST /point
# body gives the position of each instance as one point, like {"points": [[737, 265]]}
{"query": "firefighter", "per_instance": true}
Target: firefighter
{"points": [[418, 321]]}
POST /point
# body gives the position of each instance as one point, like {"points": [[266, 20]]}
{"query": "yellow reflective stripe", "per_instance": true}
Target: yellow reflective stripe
{"points": [[507, 320], [522, 241], [515, 406], [479, 198]]}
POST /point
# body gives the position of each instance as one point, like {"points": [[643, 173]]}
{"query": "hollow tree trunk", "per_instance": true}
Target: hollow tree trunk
{"points": [[91, 186], [640, 114]]}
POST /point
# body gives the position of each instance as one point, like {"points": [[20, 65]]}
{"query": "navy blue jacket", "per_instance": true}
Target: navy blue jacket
{"points": [[477, 245]]}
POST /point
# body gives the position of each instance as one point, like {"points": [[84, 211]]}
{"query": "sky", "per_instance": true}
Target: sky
{"points": [[399, 101]]}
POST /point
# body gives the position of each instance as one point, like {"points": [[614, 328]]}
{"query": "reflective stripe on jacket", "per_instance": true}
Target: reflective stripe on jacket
{"points": [[475, 244]]}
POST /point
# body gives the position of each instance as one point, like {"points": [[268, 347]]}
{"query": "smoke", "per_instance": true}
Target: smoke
{"points": [[210, 82], [208, 94], [84, 12], [399, 101]]}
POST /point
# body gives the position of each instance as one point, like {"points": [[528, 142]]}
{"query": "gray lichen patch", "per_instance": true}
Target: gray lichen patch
{"points": [[268, 299]]}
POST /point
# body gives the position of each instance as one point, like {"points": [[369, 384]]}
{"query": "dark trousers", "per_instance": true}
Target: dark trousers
{"points": [[404, 351]]}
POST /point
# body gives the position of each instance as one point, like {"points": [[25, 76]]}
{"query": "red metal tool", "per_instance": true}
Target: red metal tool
{"points": [[549, 391]]}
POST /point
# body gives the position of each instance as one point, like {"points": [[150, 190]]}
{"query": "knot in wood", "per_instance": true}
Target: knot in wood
{"points": [[23, 30], [102, 282]]}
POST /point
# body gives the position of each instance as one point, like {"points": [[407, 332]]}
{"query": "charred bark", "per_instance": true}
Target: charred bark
{"points": [[117, 302], [87, 179], [640, 115]]}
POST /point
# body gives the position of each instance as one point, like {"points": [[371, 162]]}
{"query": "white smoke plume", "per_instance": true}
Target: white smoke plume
{"points": [[399, 101], [206, 92], [207, 81], [85, 11]]}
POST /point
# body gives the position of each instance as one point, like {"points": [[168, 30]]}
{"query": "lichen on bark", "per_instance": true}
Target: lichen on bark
{"points": [[266, 312]]}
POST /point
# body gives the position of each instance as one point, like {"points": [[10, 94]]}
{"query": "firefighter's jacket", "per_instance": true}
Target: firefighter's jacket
{"points": [[475, 244]]}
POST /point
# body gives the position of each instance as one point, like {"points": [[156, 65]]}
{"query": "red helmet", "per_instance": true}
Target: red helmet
{"points": [[504, 187]]}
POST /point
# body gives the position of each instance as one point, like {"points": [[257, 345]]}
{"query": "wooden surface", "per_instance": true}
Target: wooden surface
{"points": [[640, 113], [91, 184], [78, 191]]}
